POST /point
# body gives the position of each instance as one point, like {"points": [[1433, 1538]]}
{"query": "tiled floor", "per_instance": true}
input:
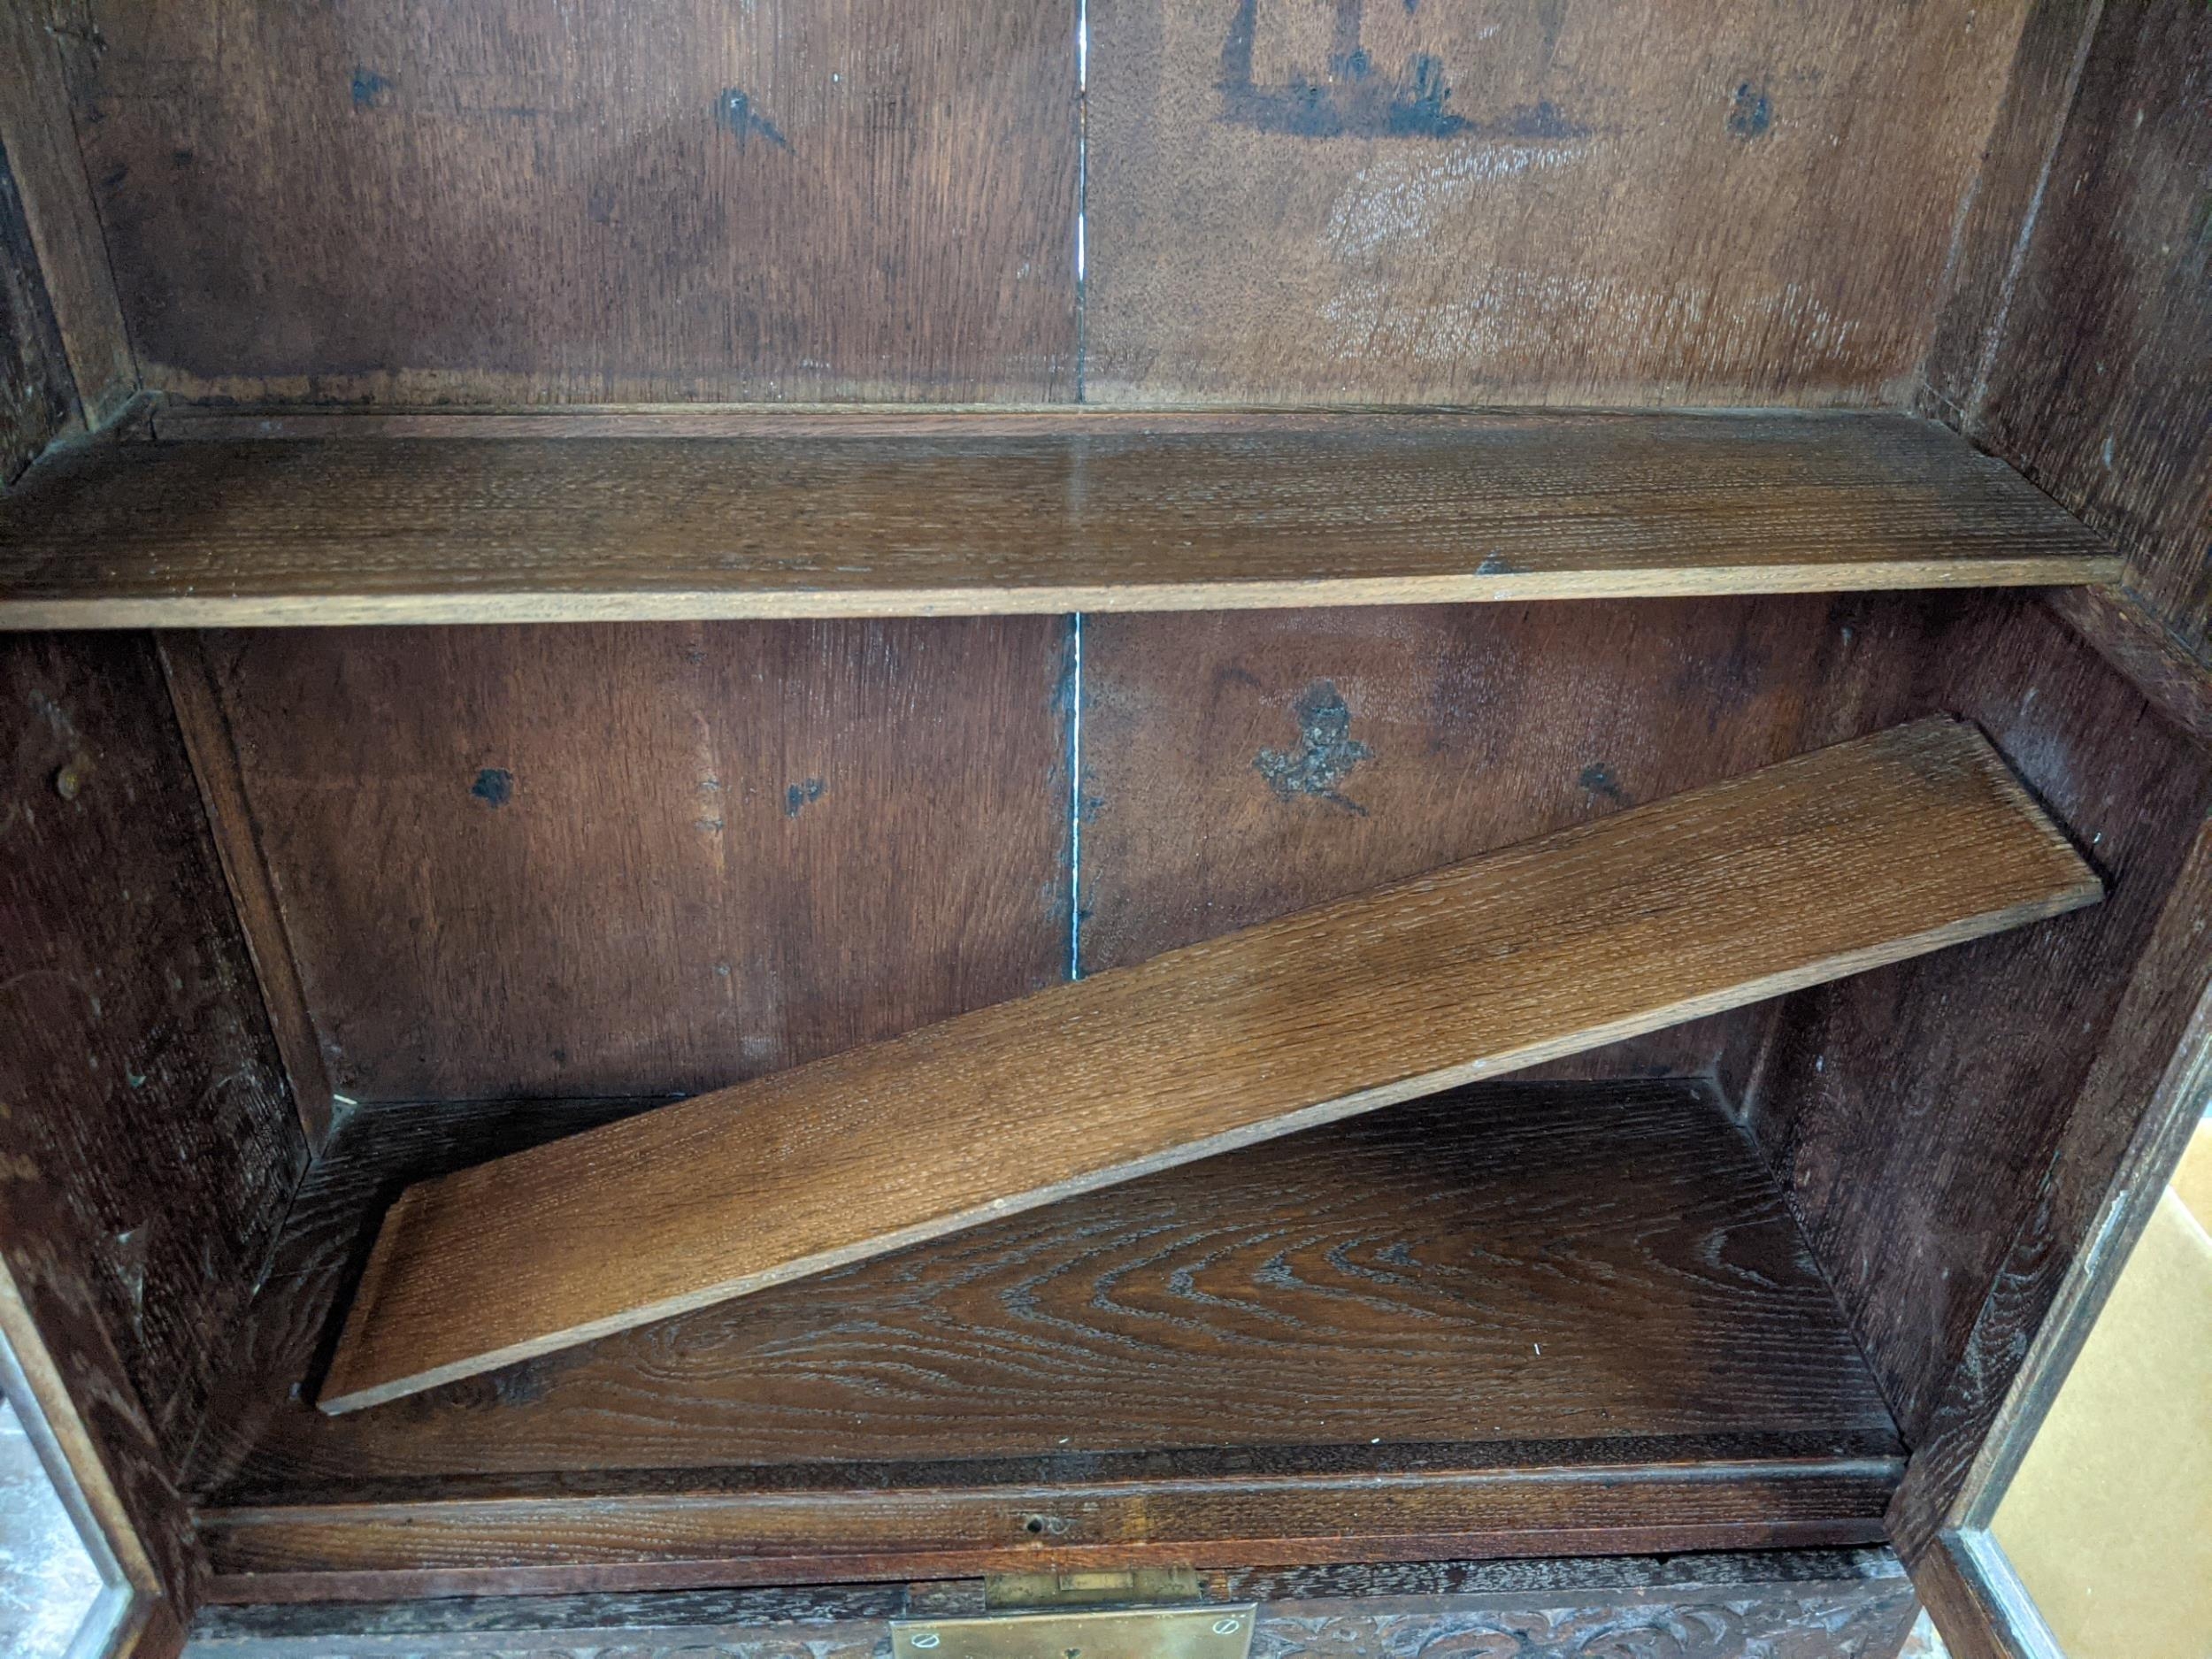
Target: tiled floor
{"points": [[1924, 1643], [47, 1581]]}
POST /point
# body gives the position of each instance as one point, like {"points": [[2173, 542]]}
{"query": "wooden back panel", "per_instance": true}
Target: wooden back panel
{"points": [[1600, 201]]}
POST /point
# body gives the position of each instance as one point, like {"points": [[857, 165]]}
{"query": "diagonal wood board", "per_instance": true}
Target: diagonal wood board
{"points": [[1825, 865]]}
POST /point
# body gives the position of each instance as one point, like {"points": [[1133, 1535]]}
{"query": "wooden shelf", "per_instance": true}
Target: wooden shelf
{"points": [[876, 515], [1836, 862], [1524, 1318]]}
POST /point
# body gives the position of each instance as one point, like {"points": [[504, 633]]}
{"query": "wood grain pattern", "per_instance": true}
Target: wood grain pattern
{"points": [[213, 752], [667, 1541], [835, 1614], [673, 199], [1999, 213], [1796, 1604], [1589, 936], [918, 1351], [1241, 766], [2097, 390], [58, 1342], [1479, 1266], [1914, 1114], [2144, 1097], [650, 861], [962, 521], [1593, 201], [39, 136], [38, 399], [139, 1089]]}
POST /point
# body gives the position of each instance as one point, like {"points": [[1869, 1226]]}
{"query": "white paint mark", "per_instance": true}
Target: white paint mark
{"points": [[1403, 197]]}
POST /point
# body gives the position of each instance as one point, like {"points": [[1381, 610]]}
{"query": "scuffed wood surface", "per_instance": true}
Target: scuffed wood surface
{"points": [[2099, 388], [1826, 865], [1797, 1605], [977, 513], [1594, 201]]}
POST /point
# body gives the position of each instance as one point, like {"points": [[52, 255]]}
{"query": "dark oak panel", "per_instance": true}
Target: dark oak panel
{"points": [[1255, 1300], [981, 513], [1511, 1280], [650, 860], [2098, 389], [139, 1088], [1796, 1604], [1914, 1112], [1595, 201], [38, 399], [502, 201]]}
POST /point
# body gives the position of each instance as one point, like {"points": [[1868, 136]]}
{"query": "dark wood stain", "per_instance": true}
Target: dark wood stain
{"points": [[1606, 200], [665, 200], [141, 1085], [1255, 1302], [1245, 1302], [1686, 1607], [1914, 1112], [1484, 726], [2097, 389], [562, 861], [38, 397]]}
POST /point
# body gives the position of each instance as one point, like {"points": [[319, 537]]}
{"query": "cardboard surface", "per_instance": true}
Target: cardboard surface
{"points": [[2109, 1521]]}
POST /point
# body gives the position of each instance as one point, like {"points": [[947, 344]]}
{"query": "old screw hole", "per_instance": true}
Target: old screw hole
{"points": [[1036, 1522]]}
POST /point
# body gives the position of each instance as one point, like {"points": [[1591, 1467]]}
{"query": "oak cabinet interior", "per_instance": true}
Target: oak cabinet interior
{"points": [[559, 565]]}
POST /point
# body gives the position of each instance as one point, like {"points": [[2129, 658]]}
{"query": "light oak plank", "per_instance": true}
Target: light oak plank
{"points": [[951, 515], [1825, 865]]}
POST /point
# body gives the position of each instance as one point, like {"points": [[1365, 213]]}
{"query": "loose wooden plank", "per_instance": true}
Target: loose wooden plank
{"points": [[1099, 516], [671, 199], [1584, 202], [1314, 1291], [775, 842], [527, 1546], [1657, 916]]}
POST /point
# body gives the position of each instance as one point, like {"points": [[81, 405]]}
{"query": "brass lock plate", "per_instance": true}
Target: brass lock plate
{"points": [[1221, 1632]]}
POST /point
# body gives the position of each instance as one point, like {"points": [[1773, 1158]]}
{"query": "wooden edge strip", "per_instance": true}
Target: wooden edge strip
{"points": [[53, 1324], [179, 421], [366, 1551], [213, 752], [543, 605], [1979, 1607]]}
